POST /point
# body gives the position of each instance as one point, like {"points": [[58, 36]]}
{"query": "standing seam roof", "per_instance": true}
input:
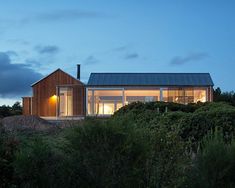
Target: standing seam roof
{"points": [[150, 79]]}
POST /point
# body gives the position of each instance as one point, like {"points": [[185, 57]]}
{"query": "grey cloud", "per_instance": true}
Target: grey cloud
{"points": [[67, 15], [18, 41], [49, 49], [47, 17], [33, 63], [11, 53], [131, 56], [120, 48], [60, 15], [90, 60], [15, 78], [178, 60]]}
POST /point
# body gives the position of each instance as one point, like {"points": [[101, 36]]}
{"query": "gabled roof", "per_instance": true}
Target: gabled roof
{"points": [[53, 73], [150, 79]]}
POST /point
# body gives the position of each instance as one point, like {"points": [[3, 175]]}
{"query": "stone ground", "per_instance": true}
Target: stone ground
{"points": [[31, 122]]}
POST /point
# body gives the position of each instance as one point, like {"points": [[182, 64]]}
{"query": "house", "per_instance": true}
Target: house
{"points": [[61, 95], [56, 95]]}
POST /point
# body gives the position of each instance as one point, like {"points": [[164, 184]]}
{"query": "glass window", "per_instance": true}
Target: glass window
{"points": [[104, 102], [189, 96], [174, 95], [184, 95], [65, 101], [199, 95], [141, 95]]}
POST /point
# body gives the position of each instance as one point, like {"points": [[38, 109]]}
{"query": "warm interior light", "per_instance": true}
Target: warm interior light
{"points": [[53, 99], [108, 109]]}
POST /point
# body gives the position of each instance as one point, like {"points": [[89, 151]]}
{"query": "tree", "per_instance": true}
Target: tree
{"points": [[220, 96]]}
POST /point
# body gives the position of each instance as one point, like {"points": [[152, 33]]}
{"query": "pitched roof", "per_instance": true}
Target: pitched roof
{"points": [[51, 74], [150, 79]]}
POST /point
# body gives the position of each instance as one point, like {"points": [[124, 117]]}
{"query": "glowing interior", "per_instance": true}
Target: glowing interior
{"points": [[107, 101]]}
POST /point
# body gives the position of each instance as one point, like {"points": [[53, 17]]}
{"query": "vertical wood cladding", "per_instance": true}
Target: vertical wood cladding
{"points": [[26, 101], [78, 100], [44, 104]]}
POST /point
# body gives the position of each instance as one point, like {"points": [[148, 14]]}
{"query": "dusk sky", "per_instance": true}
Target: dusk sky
{"points": [[37, 37]]}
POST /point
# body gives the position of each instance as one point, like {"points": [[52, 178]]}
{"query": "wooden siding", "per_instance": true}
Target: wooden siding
{"points": [[26, 101], [78, 100], [210, 94], [44, 104]]}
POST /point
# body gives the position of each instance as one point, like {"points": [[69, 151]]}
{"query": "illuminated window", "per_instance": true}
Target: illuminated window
{"points": [[199, 95], [142, 95], [104, 102], [65, 101], [189, 96]]}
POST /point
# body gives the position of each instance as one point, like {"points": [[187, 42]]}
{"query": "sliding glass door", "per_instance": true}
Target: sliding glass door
{"points": [[104, 102], [65, 101]]}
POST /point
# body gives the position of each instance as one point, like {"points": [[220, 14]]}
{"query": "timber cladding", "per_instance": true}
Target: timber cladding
{"points": [[27, 105], [44, 99]]}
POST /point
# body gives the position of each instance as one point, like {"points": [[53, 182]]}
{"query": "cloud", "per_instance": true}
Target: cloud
{"points": [[120, 48], [61, 15], [33, 63], [47, 17], [90, 60], [131, 56], [178, 60], [49, 49], [15, 78], [11, 53], [18, 41]]}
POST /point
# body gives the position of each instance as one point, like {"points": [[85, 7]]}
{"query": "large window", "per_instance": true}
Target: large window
{"points": [[184, 95], [141, 95], [107, 101], [104, 102], [65, 101], [199, 95]]}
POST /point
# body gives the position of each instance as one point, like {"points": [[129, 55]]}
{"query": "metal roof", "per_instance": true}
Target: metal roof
{"points": [[150, 79]]}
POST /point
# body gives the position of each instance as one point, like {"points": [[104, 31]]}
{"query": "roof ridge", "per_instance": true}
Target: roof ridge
{"points": [[150, 73]]}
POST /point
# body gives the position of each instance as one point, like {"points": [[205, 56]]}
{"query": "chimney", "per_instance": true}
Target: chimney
{"points": [[78, 71]]}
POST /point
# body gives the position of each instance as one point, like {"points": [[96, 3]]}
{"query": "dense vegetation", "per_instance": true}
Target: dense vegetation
{"points": [[15, 109], [220, 96], [142, 145]]}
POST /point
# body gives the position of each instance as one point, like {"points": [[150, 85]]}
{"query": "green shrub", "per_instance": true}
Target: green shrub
{"points": [[37, 165], [118, 154], [214, 166], [192, 122], [9, 144]]}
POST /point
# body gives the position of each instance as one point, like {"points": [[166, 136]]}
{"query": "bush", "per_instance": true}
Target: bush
{"points": [[191, 122], [120, 155], [9, 144], [214, 166], [15, 109]]}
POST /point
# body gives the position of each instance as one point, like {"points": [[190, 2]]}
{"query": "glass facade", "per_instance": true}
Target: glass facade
{"points": [[107, 101], [185, 95], [141, 95], [65, 101], [104, 102]]}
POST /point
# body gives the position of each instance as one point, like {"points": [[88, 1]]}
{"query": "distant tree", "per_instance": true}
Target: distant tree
{"points": [[15, 109], [5, 111], [220, 96]]}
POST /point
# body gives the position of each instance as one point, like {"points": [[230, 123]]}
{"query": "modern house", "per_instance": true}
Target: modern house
{"points": [[61, 95]]}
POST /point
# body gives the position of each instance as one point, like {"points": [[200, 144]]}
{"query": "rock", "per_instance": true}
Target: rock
{"points": [[29, 122]]}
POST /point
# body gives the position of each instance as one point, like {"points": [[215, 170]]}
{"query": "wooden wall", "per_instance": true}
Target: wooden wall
{"points": [[26, 101], [44, 104], [78, 100], [210, 94]]}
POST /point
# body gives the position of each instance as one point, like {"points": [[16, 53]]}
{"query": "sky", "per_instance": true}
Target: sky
{"points": [[37, 37]]}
